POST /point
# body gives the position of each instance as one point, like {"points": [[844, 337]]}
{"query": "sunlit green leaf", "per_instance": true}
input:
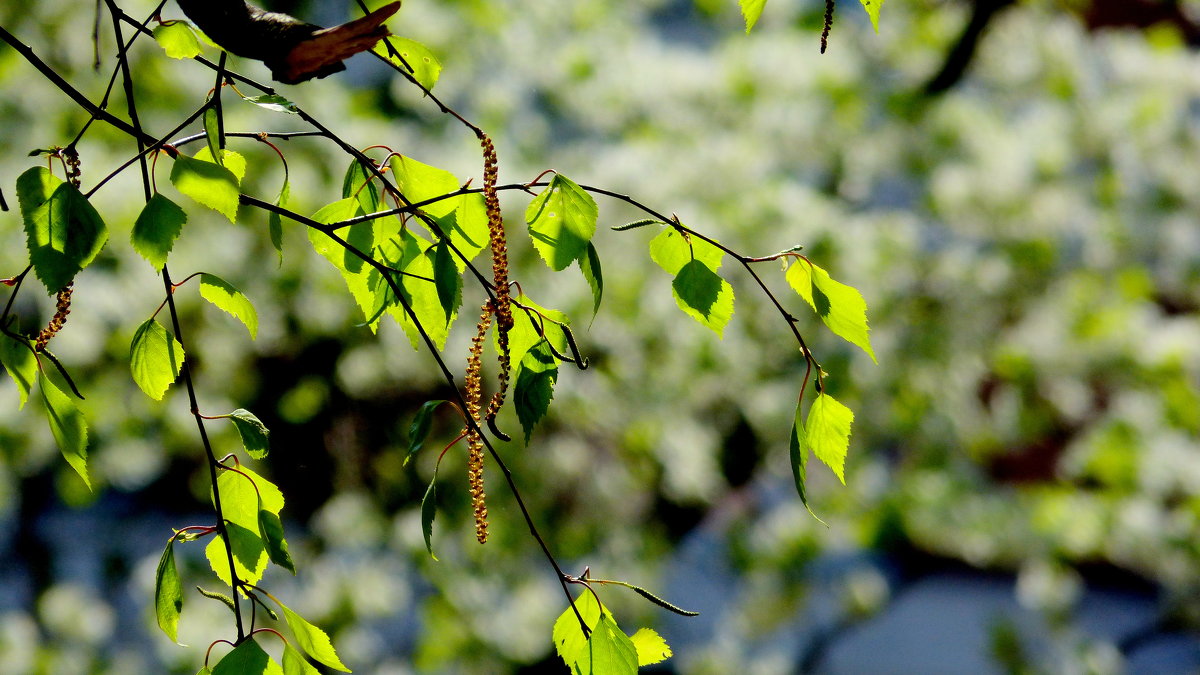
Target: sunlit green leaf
{"points": [[207, 183], [799, 456], [231, 160], [366, 285], [156, 228], [568, 637], [671, 250], [841, 307], [608, 651], [312, 640], [419, 181], [467, 226], [155, 359], [273, 102], [67, 425], [422, 64], [212, 135], [240, 495], [414, 256], [294, 662], [529, 326], [247, 659], [20, 363], [651, 647], [447, 280], [359, 183], [751, 10], [589, 264], [249, 554], [419, 429], [703, 295], [177, 39], [534, 388], [228, 298], [168, 593], [428, 511], [270, 528], [275, 221], [827, 432], [562, 220], [873, 7], [252, 431], [64, 233]]}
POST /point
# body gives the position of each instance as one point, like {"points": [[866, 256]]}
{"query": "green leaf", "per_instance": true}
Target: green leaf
{"points": [[156, 229], [168, 593], [63, 231], [275, 222], [827, 432], [294, 662], [419, 429], [751, 10], [247, 659], [252, 431], [271, 530], [420, 181], [671, 250], [359, 183], [841, 307], [650, 646], [446, 278], [873, 7], [608, 651], [18, 359], [229, 159], [412, 255], [799, 456], [67, 425], [209, 184], [177, 39], [428, 511], [312, 640], [525, 334], [212, 134], [535, 386], [249, 554], [589, 264], [569, 639], [368, 288], [703, 295], [228, 298], [155, 359], [422, 64], [240, 498], [469, 228], [562, 220], [273, 102]]}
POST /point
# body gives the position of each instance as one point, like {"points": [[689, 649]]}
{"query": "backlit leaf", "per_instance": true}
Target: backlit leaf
{"points": [[751, 10], [212, 135], [419, 181], [528, 328], [359, 183], [419, 429], [273, 102], [240, 495], [827, 432], [534, 388], [799, 457], [231, 160], [156, 228], [568, 637], [562, 220], [589, 264], [207, 183], [249, 554], [651, 647], [294, 662], [422, 64], [418, 284], [275, 221], [428, 511], [155, 359], [873, 7], [446, 277], [468, 228], [608, 651], [228, 298], [168, 593], [703, 295], [177, 39], [252, 431], [20, 363], [67, 425], [62, 229], [671, 250], [312, 640], [841, 307], [247, 659], [271, 530]]}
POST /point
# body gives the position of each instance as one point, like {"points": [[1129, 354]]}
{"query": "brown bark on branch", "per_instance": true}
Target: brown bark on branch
{"points": [[294, 50]]}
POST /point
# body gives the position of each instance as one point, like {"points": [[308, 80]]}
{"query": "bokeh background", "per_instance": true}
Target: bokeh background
{"points": [[1023, 483]]}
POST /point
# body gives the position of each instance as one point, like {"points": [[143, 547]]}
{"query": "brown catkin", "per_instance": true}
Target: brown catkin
{"points": [[828, 25], [62, 309], [474, 441], [504, 320]]}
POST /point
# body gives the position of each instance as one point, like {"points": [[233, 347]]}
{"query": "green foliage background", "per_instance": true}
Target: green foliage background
{"points": [[1027, 246]]}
